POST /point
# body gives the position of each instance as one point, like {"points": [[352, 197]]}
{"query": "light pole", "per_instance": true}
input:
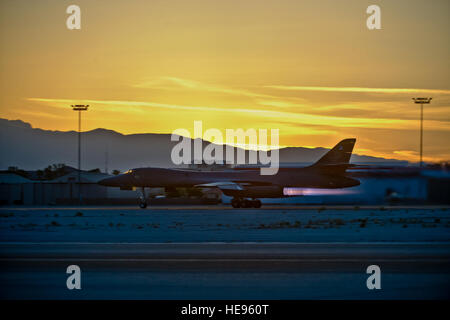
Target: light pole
{"points": [[421, 101], [79, 108]]}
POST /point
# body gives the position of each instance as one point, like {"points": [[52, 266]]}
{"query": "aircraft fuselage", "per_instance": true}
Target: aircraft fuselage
{"points": [[286, 177]]}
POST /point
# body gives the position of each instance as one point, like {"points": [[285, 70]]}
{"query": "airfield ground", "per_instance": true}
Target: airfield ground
{"points": [[215, 252]]}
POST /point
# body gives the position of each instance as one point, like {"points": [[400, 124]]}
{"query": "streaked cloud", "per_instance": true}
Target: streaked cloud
{"points": [[275, 115], [280, 103], [359, 89], [171, 83]]}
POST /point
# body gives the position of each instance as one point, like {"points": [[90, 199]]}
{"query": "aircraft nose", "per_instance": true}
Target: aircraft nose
{"points": [[355, 183]]}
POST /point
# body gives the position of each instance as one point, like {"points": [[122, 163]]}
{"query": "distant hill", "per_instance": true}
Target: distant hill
{"points": [[32, 148]]}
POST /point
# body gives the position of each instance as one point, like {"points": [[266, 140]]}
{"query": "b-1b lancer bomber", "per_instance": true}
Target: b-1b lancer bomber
{"points": [[246, 185]]}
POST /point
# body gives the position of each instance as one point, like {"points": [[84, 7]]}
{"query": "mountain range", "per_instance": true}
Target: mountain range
{"points": [[31, 148]]}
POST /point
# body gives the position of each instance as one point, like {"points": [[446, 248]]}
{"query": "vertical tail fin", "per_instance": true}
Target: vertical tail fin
{"points": [[339, 155]]}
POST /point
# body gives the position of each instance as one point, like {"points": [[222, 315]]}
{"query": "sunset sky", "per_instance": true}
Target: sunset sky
{"points": [[310, 68]]}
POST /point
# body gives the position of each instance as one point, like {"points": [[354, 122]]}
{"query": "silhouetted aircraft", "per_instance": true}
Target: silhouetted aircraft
{"points": [[246, 183]]}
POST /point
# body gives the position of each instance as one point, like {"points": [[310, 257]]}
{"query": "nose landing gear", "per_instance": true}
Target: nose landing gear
{"points": [[142, 199], [143, 204], [245, 203]]}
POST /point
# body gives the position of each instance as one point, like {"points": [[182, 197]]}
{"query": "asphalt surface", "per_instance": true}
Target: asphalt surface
{"points": [[229, 207], [224, 270]]}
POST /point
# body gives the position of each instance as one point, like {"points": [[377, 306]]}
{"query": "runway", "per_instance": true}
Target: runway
{"points": [[216, 252], [229, 207], [225, 270]]}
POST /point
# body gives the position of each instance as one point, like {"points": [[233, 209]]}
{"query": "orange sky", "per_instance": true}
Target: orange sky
{"points": [[309, 68]]}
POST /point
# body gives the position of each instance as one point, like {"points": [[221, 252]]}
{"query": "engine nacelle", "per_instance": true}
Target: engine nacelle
{"points": [[256, 192]]}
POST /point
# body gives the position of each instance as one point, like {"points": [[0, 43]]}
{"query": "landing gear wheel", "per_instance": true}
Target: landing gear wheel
{"points": [[247, 203], [256, 203], [143, 205], [235, 203]]}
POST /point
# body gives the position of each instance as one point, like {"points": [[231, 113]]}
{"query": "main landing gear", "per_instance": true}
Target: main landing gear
{"points": [[245, 203], [142, 199]]}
